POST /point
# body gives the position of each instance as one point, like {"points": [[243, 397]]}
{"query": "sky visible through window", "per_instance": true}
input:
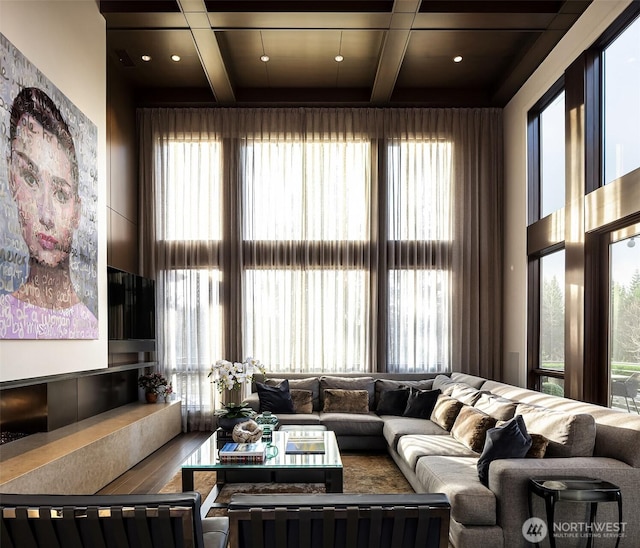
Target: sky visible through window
{"points": [[552, 157], [622, 104]]}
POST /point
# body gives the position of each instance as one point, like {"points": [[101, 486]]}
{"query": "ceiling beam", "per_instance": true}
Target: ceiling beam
{"points": [[394, 49], [195, 13]]}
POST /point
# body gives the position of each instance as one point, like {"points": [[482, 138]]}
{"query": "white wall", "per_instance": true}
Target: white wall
{"points": [[595, 20], [66, 41]]}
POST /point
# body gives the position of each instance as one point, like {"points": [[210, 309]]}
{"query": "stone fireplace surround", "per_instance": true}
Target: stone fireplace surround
{"points": [[85, 456]]}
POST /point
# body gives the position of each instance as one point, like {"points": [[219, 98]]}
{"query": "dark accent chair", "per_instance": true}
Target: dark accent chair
{"points": [[339, 521], [108, 521], [627, 389]]}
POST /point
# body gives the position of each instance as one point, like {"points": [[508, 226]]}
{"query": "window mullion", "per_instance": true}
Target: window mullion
{"points": [[379, 269], [231, 262]]}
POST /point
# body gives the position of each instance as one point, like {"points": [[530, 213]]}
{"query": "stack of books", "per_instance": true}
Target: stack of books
{"points": [[243, 453]]}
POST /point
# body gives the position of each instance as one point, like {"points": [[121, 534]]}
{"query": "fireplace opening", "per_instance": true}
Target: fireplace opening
{"points": [[8, 437]]}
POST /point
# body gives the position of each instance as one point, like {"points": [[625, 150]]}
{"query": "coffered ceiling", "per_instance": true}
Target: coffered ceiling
{"points": [[395, 52]]}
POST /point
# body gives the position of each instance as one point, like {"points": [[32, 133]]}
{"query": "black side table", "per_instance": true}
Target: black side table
{"points": [[574, 489]]}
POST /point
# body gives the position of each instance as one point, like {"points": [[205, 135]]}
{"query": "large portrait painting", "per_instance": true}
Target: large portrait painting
{"points": [[49, 203]]}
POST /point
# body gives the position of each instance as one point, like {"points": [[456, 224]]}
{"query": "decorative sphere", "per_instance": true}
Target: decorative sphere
{"points": [[246, 432]]}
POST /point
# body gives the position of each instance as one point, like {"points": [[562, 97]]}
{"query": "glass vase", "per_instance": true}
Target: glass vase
{"points": [[268, 422]]}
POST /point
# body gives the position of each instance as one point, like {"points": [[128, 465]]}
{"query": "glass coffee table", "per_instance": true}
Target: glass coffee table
{"points": [[281, 467]]}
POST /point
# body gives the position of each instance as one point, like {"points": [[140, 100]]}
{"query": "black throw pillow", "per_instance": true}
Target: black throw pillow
{"points": [[509, 441], [420, 403], [393, 402], [276, 399]]}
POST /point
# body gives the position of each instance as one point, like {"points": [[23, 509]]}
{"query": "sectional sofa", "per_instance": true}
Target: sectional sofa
{"points": [[578, 439]]}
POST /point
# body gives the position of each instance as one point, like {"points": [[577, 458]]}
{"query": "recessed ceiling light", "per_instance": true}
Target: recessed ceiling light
{"points": [[175, 58], [146, 58], [339, 58], [264, 58], [457, 59]]}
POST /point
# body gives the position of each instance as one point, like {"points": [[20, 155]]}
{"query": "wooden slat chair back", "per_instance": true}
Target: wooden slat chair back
{"points": [[101, 521], [339, 521]]}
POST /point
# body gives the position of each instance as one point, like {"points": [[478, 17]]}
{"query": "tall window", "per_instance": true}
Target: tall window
{"points": [[420, 225], [188, 246], [552, 177], [624, 338], [552, 308], [306, 240], [547, 196], [621, 60]]}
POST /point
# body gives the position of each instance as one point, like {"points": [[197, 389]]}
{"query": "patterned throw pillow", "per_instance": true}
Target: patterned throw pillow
{"points": [[471, 428], [302, 400], [345, 401], [445, 412], [348, 383], [539, 446]]}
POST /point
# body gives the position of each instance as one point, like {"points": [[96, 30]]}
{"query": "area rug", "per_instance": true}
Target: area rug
{"points": [[361, 474]]}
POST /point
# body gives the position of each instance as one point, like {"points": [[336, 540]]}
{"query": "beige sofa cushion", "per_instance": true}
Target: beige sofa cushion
{"points": [[466, 394], [415, 446], [471, 502], [396, 427], [471, 380], [441, 381], [569, 434], [470, 428], [353, 424], [499, 408]]}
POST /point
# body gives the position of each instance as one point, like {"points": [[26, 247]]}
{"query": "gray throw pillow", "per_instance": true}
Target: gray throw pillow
{"points": [[511, 441]]}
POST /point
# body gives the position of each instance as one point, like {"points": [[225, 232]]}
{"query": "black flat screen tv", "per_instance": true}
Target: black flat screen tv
{"points": [[132, 312]]}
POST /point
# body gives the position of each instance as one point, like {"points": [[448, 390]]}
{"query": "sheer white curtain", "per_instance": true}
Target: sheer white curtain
{"points": [[306, 238], [321, 240], [182, 197]]}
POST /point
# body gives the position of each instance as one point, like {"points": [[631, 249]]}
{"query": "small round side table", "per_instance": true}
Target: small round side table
{"points": [[574, 489]]}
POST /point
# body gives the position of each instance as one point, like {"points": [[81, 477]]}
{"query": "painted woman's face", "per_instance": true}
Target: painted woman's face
{"points": [[43, 187]]}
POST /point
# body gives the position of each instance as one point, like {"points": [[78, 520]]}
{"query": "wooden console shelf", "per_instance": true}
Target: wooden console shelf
{"points": [[83, 457]]}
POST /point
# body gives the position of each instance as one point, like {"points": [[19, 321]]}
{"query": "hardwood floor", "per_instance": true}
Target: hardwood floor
{"points": [[152, 473]]}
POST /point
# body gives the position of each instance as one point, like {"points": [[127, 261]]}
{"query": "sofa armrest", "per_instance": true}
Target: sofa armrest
{"points": [[509, 481]]}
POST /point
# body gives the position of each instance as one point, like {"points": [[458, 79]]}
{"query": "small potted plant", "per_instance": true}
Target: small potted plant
{"points": [[153, 384], [232, 414]]}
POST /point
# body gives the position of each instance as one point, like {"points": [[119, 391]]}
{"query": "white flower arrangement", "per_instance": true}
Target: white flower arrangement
{"points": [[230, 376]]}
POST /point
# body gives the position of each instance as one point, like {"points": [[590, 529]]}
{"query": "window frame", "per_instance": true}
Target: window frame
{"points": [[597, 210], [534, 146]]}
